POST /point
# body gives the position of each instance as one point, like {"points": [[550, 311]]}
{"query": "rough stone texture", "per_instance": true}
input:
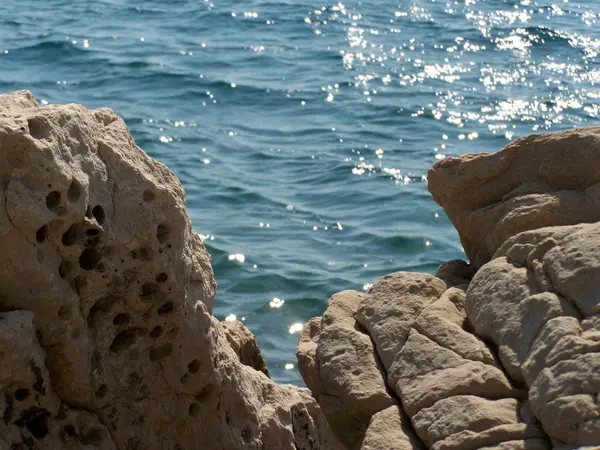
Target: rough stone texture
{"points": [[455, 273], [107, 336], [338, 362], [536, 181], [538, 302], [391, 429], [393, 304], [450, 384], [243, 343]]}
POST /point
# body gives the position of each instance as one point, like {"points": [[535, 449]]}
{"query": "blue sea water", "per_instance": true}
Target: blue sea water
{"points": [[302, 130]]}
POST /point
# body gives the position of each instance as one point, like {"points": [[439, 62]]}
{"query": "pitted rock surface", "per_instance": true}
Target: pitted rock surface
{"points": [[107, 291]]}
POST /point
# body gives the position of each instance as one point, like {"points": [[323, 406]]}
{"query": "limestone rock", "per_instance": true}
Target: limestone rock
{"points": [[340, 366], [33, 415], [115, 291], [390, 429], [393, 304], [243, 343], [534, 182], [538, 302]]}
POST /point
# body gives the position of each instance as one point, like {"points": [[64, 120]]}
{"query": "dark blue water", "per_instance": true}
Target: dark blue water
{"points": [[302, 130]]}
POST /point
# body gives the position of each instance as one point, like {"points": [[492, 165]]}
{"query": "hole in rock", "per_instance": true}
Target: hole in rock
{"points": [[247, 433], [194, 366], [165, 309], [63, 269], [21, 394], [98, 213], [149, 289], [121, 319], [69, 237], [160, 353], [162, 233], [88, 212], [156, 332], [162, 277], [89, 259], [194, 409], [123, 341], [102, 391], [92, 232], [35, 420], [53, 200], [204, 393], [36, 128], [63, 312], [74, 191], [184, 379], [148, 196], [41, 234], [70, 430]]}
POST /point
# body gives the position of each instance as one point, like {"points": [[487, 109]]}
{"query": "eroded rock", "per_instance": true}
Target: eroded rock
{"points": [[99, 254], [534, 182], [243, 343]]}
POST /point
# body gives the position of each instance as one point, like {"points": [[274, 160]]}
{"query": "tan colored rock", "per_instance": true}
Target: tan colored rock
{"points": [[243, 343], [339, 365], [493, 437], [445, 322], [538, 302], [394, 303], [534, 182], [506, 305], [33, 415], [463, 412], [527, 444], [391, 429], [425, 373], [99, 252]]}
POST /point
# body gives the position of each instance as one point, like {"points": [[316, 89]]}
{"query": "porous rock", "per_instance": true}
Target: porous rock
{"points": [[243, 343], [107, 291], [536, 181]]}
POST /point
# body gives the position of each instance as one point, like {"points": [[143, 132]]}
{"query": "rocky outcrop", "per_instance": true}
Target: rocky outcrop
{"points": [[243, 343], [534, 182], [108, 341], [106, 293], [503, 352]]}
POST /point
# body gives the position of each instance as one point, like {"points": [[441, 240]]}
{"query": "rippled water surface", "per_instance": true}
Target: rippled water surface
{"points": [[302, 130]]}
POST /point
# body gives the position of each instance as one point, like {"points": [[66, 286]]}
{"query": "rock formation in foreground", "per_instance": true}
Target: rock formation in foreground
{"points": [[503, 357], [108, 342], [107, 338]]}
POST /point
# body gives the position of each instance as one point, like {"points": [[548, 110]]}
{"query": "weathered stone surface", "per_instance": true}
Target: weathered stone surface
{"points": [[472, 440], [455, 273], [536, 181], [463, 412], [33, 415], [99, 254], [424, 373], [340, 366], [391, 429], [243, 343], [393, 304], [538, 302]]}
